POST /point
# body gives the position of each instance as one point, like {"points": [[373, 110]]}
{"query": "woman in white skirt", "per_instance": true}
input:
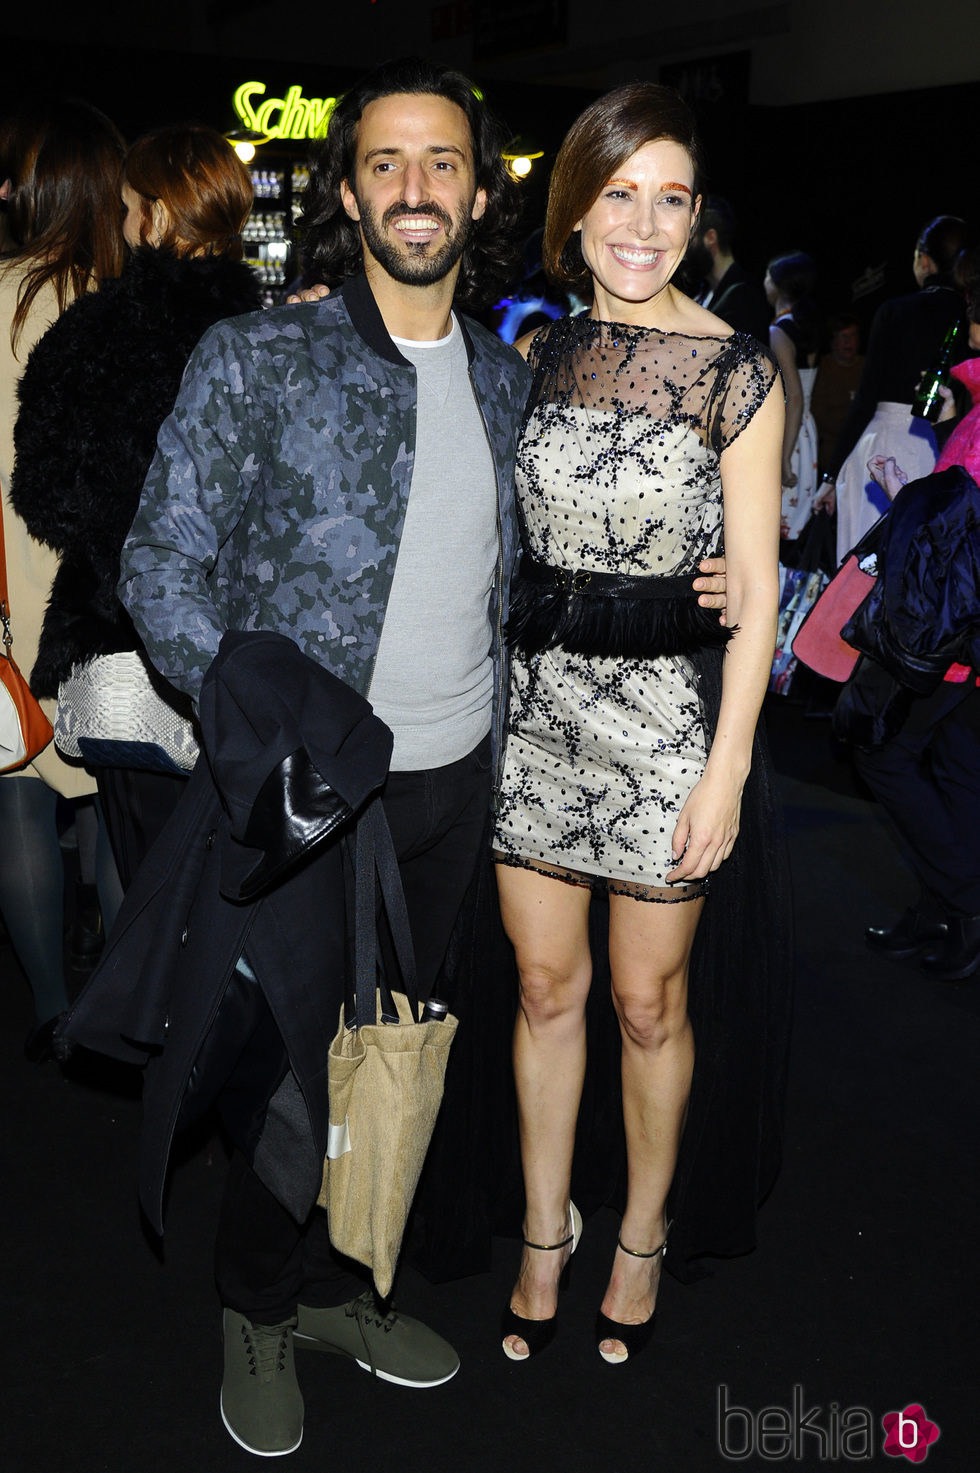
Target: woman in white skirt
{"points": [[893, 431], [906, 336]]}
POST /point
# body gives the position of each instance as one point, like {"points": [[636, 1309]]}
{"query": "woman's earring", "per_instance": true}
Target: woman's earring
{"points": [[159, 222]]}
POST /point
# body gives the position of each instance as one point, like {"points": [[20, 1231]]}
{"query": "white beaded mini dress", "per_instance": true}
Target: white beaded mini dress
{"points": [[618, 472]]}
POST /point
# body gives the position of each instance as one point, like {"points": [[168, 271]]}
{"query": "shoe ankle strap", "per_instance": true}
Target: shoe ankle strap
{"points": [[655, 1253], [553, 1247], [548, 1247]]}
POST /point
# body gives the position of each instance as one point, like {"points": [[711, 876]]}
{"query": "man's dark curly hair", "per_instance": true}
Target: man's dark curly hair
{"points": [[332, 245]]}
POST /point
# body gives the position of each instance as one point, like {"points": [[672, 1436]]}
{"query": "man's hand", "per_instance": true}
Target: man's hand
{"points": [[948, 410], [315, 293], [712, 586]]}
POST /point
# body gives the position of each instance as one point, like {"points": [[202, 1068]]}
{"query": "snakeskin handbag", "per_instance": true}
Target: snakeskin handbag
{"points": [[117, 711]]}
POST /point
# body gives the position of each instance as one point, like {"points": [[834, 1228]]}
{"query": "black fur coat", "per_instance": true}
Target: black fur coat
{"points": [[94, 393]]}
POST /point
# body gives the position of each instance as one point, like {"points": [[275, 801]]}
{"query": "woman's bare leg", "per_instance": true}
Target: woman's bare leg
{"points": [[649, 953], [547, 922]]}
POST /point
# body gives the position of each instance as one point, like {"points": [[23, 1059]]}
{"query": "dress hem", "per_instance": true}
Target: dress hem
{"points": [[604, 884]]}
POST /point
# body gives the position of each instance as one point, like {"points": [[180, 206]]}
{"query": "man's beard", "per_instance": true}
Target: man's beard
{"points": [[419, 267]]}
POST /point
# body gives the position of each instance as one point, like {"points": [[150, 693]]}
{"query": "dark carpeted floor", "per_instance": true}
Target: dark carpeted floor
{"points": [[862, 1293]]}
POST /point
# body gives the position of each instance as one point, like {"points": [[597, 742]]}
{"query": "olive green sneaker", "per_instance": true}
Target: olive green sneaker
{"points": [[389, 1345], [261, 1403]]}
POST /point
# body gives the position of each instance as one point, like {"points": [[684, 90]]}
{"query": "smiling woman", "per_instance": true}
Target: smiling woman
{"points": [[635, 235], [597, 157], [651, 440]]}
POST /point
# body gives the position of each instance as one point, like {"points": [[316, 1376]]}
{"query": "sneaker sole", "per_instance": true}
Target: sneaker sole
{"points": [[900, 953], [312, 1343], [260, 1452], [957, 974]]}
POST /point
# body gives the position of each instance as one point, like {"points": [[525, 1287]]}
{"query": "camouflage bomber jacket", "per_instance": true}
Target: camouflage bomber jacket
{"points": [[277, 495]]}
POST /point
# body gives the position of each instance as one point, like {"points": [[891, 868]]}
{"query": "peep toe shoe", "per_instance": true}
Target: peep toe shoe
{"points": [[632, 1337], [537, 1334]]}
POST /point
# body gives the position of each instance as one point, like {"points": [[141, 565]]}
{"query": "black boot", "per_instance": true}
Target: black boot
{"points": [[957, 956], [86, 937], [918, 930]]}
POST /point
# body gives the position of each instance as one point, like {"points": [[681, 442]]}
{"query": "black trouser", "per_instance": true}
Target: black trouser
{"points": [[266, 1262], [927, 778], [136, 806]]}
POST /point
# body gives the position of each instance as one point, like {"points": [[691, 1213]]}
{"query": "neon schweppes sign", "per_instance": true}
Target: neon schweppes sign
{"points": [[292, 116]]}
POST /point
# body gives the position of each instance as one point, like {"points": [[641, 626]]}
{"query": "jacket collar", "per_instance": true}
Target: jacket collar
{"points": [[368, 322]]}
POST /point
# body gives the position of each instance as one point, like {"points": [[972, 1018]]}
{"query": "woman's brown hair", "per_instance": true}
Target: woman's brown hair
{"points": [[196, 174], [63, 163], [598, 143]]}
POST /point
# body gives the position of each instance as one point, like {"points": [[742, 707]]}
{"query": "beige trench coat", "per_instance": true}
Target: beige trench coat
{"points": [[30, 565]]}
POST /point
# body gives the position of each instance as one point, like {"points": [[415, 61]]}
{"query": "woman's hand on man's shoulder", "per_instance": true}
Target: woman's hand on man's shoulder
{"points": [[315, 293]]}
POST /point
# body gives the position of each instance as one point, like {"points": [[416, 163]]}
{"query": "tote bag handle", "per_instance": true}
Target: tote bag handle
{"points": [[375, 856]]}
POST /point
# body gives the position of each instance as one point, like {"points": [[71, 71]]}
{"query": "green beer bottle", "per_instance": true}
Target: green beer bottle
{"points": [[927, 401]]}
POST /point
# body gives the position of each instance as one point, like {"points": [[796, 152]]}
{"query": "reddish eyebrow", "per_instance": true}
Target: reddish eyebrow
{"points": [[628, 182], [673, 184]]}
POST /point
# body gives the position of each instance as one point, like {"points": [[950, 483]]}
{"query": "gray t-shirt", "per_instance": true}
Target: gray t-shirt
{"points": [[433, 677]]}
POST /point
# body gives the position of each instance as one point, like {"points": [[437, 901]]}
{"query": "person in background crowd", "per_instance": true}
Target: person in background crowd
{"points": [[838, 375], [535, 301], [793, 337], [59, 176], [96, 389], [728, 291], [906, 336], [927, 774]]}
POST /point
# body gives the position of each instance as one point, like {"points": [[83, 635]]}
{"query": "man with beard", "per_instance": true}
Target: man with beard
{"points": [[343, 474]]}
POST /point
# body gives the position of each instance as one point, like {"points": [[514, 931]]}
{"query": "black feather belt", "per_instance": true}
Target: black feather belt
{"points": [[608, 614]]}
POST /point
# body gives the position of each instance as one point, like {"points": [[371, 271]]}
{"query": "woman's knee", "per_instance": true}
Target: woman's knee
{"points": [[549, 993], [652, 1016]]}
